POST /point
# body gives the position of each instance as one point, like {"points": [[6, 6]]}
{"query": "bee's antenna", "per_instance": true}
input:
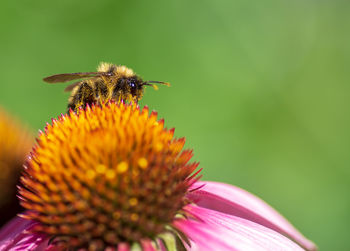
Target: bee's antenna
{"points": [[156, 82]]}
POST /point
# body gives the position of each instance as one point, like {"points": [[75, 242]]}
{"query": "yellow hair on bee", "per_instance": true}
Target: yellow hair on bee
{"points": [[104, 67], [119, 70], [124, 71]]}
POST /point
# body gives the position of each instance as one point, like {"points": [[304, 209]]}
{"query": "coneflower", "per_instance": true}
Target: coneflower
{"points": [[113, 178]]}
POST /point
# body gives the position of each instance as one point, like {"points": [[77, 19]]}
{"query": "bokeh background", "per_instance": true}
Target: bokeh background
{"points": [[260, 89]]}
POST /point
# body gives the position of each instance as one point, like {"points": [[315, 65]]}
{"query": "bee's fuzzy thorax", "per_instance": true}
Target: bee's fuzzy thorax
{"points": [[124, 71], [119, 70], [104, 67]]}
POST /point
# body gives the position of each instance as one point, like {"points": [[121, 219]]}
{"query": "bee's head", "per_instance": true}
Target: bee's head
{"points": [[128, 89], [129, 86], [134, 86]]}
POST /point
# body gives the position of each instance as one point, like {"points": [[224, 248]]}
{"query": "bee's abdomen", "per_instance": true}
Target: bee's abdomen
{"points": [[81, 96]]}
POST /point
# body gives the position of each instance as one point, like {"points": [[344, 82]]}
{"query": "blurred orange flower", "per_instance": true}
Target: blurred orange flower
{"points": [[15, 144]]}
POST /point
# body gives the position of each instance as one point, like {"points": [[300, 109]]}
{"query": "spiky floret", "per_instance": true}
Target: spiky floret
{"points": [[15, 144], [106, 176]]}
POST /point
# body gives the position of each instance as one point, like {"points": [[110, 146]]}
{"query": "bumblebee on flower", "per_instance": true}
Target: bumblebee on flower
{"points": [[109, 176], [110, 83]]}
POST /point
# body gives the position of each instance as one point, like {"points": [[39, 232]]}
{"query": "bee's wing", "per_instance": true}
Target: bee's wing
{"points": [[65, 77], [71, 86]]}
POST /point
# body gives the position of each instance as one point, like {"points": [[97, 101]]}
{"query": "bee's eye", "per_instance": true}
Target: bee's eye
{"points": [[132, 84]]}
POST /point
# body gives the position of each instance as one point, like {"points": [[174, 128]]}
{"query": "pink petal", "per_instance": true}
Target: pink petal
{"points": [[238, 202], [123, 247], [13, 236], [147, 245], [219, 231]]}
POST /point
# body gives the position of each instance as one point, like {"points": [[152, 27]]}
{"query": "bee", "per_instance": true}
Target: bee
{"points": [[110, 82]]}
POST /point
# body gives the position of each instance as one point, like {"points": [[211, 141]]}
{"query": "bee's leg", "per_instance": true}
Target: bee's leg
{"points": [[135, 100], [116, 94], [101, 92]]}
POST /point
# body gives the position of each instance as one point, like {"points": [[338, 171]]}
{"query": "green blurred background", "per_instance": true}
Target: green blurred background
{"points": [[260, 89]]}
